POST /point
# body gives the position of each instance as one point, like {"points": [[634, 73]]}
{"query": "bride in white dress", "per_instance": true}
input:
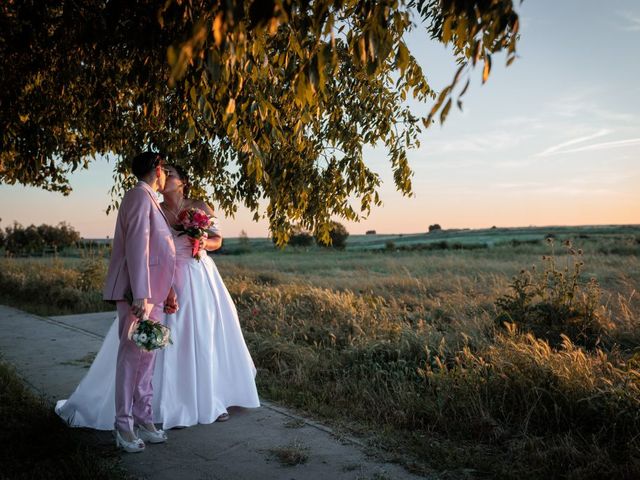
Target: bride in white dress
{"points": [[207, 369]]}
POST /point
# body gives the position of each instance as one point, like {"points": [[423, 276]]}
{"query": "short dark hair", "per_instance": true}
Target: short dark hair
{"points": [[144, 162]]}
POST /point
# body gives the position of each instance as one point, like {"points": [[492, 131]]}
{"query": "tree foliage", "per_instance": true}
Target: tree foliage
{"points": [[338, 235], [299, 237], [266, 101], [32, 239]]}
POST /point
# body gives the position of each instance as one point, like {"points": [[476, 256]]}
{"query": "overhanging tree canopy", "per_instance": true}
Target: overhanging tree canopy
{"points": [[260, 100]]}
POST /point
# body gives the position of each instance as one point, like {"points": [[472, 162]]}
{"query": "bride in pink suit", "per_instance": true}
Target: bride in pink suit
{"points": [[142, 266], [208, 367]]}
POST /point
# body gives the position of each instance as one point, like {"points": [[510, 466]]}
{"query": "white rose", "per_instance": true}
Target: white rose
{"points": [[134, 337], [142, 337]]}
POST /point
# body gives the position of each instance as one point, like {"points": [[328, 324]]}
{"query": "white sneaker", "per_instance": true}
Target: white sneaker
{"points": [[135, 446], [159, 436]]}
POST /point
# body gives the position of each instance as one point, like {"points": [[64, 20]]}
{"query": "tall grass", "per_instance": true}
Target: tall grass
{"points": [[425, 350], [54, 286], [446, 377], [415, 347]]}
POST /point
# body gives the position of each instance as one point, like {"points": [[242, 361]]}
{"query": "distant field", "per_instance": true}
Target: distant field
{"points": [[479, 237], [444, 239]]}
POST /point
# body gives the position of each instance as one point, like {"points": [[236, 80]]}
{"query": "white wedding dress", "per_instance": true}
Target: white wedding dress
{"points": [[207, 368]]}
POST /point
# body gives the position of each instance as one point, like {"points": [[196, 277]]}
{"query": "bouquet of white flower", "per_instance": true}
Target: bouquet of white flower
{"points": [[150, 335]]}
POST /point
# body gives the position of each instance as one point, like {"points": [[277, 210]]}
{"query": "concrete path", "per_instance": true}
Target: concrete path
{"points": [[53, 354]]}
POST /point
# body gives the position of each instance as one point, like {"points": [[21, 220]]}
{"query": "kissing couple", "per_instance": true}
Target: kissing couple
{"points": [[158, 272]]}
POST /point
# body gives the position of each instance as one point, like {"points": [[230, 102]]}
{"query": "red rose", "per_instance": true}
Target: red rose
{"points": [[183, 215], [201, 218]]}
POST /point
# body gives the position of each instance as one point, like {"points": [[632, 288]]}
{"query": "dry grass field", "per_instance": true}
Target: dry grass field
{"points": [[516, 358]]}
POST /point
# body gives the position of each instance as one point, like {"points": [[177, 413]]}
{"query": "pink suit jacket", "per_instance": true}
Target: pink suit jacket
{"points": [[143, 255]]}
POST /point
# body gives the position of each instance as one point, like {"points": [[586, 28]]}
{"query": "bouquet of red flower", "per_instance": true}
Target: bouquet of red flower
{"points": [[195, 223]]}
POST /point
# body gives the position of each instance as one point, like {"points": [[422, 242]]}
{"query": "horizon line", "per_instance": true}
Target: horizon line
{"points": [[494, 227]]}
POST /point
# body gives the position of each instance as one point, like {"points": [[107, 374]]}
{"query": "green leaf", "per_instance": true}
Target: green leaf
{"points": [[445, 111], [231, 106], [402, 57], [447, 32], [487, 68], [464, 89], [280, 99]]}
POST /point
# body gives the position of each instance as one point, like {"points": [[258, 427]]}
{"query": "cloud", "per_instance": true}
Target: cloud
{"points": [[488, 142], [528, 122], [581, 105], [606, 145], [577, 121], [565, 188], [632, 22], [561, 147], [513, 163]]}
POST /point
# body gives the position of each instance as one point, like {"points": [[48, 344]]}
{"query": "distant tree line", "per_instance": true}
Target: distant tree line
{"points": [[19, 240], [337, 232]]}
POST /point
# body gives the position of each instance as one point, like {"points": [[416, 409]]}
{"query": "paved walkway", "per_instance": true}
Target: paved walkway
{"points": [[53, 354]]}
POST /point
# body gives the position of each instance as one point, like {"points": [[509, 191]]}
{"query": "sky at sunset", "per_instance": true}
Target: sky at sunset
{"points": [[554, 139]]}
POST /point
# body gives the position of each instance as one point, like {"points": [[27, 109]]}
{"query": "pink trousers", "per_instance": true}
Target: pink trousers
{"points": [[134, 372]]}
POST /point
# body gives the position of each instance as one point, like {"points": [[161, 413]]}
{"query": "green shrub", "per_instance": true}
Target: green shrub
{"points": [[556, 301], [93, 272], [301, 239], [338, 235], [19, 240], [244, 244]]}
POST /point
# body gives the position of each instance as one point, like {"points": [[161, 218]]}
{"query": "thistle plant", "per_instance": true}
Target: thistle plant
{"points": [[556, 299]]}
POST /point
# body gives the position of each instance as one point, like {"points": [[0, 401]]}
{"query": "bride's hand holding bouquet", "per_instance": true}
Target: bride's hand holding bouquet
{"points": [[149, 334], [195, 223], [146, 332]]}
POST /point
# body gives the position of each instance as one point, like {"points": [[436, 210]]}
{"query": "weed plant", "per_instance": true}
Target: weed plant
{"points": [[557, 301]]}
